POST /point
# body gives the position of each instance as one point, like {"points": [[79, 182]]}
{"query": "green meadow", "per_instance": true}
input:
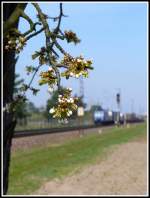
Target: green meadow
{"points": [[30, 169]]}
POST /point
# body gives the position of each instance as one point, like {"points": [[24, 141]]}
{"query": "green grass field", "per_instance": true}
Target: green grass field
{"points": [[29, 169]]}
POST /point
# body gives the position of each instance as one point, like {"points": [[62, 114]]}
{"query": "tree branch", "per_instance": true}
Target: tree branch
{"points": [[60, 48], [34, 34], [57, 30], [48, 43], [14, 17], [32, 28], [37, 69], [26, 17], [60, 66], [32, 25]]}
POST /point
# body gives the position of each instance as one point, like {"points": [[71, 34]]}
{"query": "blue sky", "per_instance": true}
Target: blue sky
{"points": [[114, 35]]}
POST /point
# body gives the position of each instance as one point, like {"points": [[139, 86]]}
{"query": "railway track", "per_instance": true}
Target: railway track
{"points": [[33, 132]]}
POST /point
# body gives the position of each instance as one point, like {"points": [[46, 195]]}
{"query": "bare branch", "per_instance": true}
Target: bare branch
{"points": [[55, 53], [60, 48], [26, 17], [57, 29], [61, 66], [32, 25], [34, 34], [37, 69], [32, 28]]}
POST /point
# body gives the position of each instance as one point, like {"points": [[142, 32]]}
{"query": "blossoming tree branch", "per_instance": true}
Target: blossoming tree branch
{"points": [[49, 54]]}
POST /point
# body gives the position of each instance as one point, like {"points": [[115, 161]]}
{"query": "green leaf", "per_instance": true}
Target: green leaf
{"points": [[63, 74], [42, 82], [35, 55]]}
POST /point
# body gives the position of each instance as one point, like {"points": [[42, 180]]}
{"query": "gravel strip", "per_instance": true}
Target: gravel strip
{"points": [[123, 172]]}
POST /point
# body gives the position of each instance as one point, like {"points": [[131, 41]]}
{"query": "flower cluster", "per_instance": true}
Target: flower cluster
{"points": [[65, 105], [48, 77], [71, 37], [15, 42], [76, 67], [43, 56]]}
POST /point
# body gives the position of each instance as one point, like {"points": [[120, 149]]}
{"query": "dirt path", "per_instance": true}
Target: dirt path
{"points": [[123, 172]]}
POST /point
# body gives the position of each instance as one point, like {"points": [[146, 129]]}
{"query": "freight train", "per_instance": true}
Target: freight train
{"points": [[103, 116], [106, 117]]}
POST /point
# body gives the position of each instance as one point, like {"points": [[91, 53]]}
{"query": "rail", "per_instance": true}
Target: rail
{"points": [[33, 132], [25, 133]]}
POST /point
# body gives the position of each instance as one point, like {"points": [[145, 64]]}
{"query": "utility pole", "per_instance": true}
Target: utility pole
{"points": [[118, 100], [81, 87], [132, 106], [81, 108]]}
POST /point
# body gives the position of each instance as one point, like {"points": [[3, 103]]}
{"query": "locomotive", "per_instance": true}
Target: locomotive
{"points": [[106, 117]]}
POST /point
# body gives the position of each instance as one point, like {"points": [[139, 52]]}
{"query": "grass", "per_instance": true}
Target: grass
{"points": [[29, 169]]}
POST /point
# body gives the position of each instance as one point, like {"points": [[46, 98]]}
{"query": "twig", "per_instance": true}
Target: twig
{"points": [[32, 28], [34, 34], [37, 69]]}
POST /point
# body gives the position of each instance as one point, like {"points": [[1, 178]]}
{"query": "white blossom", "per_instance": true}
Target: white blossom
{"points": [[50, 69], [77, 75], [6, 47], [79, 60], [71, 100], [50, 89], [52, 110], [68, 100], [7, 107], [4, 108], [69, 113], [60, 100], [71, 74], [70, 89], [19, 45]]}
